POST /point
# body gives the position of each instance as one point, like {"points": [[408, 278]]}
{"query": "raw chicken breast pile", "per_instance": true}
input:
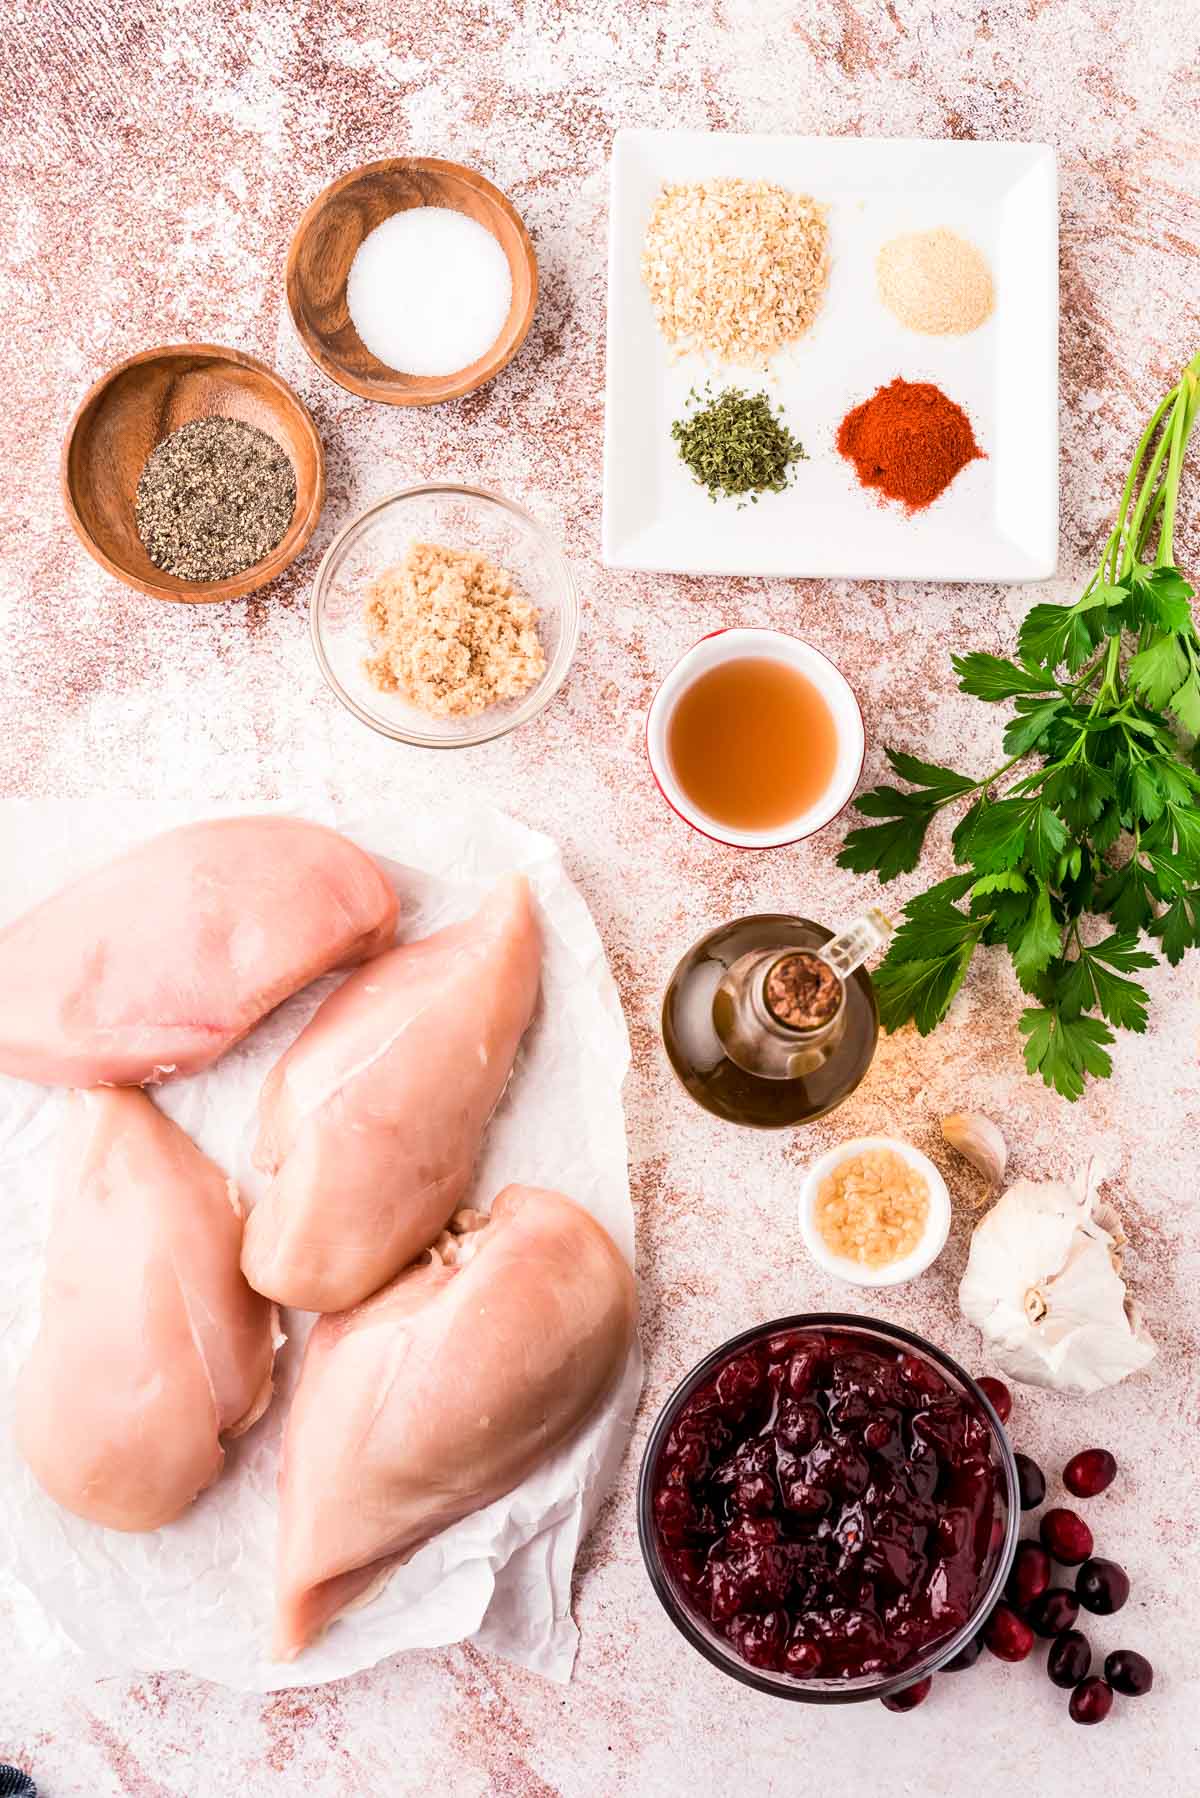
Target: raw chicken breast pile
{"points": [[458, 1348]]}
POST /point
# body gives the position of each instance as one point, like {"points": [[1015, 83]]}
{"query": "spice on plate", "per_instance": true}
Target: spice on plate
{"points": [[429, 290], [935, 282], [214, 497], [872, 1208], [450, 633], [735, 268], [909, 441], [736, 445]]}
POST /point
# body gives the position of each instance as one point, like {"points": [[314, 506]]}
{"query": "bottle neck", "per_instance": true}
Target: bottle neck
{"points": [[751, 1004]]}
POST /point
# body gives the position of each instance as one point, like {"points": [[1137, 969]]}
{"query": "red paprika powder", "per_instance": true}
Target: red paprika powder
{"points": [[908, 440]]}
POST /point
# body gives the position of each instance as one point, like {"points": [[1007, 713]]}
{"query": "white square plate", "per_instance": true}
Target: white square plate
{"points": [[998, 520]]}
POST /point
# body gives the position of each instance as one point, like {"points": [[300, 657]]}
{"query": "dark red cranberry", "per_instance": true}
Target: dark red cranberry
{"points": [[1070, 1658], [1030, 1575], [997, 1395], [1089, 1472], [966, 1657], [1128, 1673], [911, 1697], [802, 1658], [1031, 1482], [803, 1371], [878, 1433], [1066, 1536], [1101, 1586], [738, 1383], [1091, 1701], [1055, 1611], [1007, 1635], [760, 1640]]}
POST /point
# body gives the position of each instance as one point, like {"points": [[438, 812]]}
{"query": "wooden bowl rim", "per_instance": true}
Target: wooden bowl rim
{"points": [[259, 574], [453, 388]]}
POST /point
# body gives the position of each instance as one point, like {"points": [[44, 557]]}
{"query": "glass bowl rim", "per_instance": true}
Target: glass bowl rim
{"points": [[760, 1679], [540, 695]]}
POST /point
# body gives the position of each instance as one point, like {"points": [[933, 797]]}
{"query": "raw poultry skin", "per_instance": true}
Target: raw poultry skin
{"points": [[158, 963], [371, 1122], [441, 1394], [151, 1344]]}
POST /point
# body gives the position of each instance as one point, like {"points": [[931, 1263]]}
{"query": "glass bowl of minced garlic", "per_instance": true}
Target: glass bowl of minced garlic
{"points": [[444, 616]]}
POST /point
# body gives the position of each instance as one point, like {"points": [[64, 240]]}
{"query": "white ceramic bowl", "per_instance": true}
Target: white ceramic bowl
{"points": [[730, 645], [895, 1273]]}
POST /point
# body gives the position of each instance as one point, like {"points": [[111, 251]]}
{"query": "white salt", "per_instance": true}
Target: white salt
{"points": [[429, 291]]}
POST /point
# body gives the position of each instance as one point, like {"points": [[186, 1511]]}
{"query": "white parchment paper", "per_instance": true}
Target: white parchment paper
{"points": [[197, 1595]]}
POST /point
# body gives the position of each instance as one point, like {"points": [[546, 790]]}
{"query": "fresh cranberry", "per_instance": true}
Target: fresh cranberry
{"points": [[1091, 1471], [1055, 1611], [918, 1380], [1128, 1673], [878, 1433], [1007, 1635], [997, 1395], [1066, 1536], [1030, 1575], [911, 1697], [966, 1657], [1070, 1658], [1102, 1586], [1031, 1482], [1091, 1701]]}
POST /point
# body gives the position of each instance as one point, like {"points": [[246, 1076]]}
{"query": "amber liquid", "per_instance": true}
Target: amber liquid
{"points": [[698, 1055], [752, 743]]}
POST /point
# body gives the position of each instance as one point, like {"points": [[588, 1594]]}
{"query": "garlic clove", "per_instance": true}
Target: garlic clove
{"points": [[979, 1141]]}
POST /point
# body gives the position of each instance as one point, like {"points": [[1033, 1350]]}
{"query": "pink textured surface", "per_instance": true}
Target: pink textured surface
{"points": [[156, 159]]}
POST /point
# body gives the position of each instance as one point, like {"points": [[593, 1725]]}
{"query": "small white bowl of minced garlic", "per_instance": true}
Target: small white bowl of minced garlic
{"points": [[874, 1211]]}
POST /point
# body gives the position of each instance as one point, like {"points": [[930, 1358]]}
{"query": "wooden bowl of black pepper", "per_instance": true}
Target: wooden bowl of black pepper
{"points": [[128, 416]]}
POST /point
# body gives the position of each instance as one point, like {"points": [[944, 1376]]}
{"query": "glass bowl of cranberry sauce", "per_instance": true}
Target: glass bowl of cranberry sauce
{"points": [[828, 1508]]}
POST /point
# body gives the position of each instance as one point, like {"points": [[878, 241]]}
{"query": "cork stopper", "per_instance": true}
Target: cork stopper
{"points": [[802, 991]]}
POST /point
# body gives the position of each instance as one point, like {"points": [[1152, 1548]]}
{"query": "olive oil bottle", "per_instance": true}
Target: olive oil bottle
{"points": [[771, 1020]]}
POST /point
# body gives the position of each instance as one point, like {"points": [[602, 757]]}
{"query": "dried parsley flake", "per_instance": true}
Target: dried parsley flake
{"points": [[736, 444]]}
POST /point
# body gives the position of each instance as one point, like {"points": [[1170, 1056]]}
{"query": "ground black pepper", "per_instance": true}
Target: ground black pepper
{"points": [[214, 497]]}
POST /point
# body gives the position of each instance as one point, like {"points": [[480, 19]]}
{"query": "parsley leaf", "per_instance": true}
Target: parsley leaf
{"points": [[1178, 928], [1159, 671], [1032, 723], [991, 677], [1039, 942], [1052, 635], [920, 990], [1062, 1050], [1092, 981], [943, 781]]}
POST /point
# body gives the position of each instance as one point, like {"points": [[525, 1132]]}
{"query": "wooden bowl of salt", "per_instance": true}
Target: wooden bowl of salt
{"points": [[429, 293]]}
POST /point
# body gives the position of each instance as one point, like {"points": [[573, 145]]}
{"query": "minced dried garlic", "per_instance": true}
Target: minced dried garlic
{"points": [[450, 633], [872, 1208], [734, 268]]}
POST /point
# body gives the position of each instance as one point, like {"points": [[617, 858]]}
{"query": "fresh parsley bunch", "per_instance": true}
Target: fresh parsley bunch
{"points": [[1106, 821]]}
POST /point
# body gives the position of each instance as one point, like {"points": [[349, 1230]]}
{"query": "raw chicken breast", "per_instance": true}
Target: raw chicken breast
{"points": [[151, 1343], [371, 1122], [158, 963], [441, 1394]]}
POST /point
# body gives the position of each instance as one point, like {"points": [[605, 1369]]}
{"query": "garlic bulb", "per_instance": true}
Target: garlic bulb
{"points": [[1043, 1286], [978, 1141]]}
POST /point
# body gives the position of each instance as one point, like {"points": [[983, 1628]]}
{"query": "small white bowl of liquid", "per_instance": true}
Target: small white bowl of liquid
{"points": [[755, 738]]}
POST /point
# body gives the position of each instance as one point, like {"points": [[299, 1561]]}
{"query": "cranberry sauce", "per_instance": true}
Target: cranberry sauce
{"points": [[829, 1505]]}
